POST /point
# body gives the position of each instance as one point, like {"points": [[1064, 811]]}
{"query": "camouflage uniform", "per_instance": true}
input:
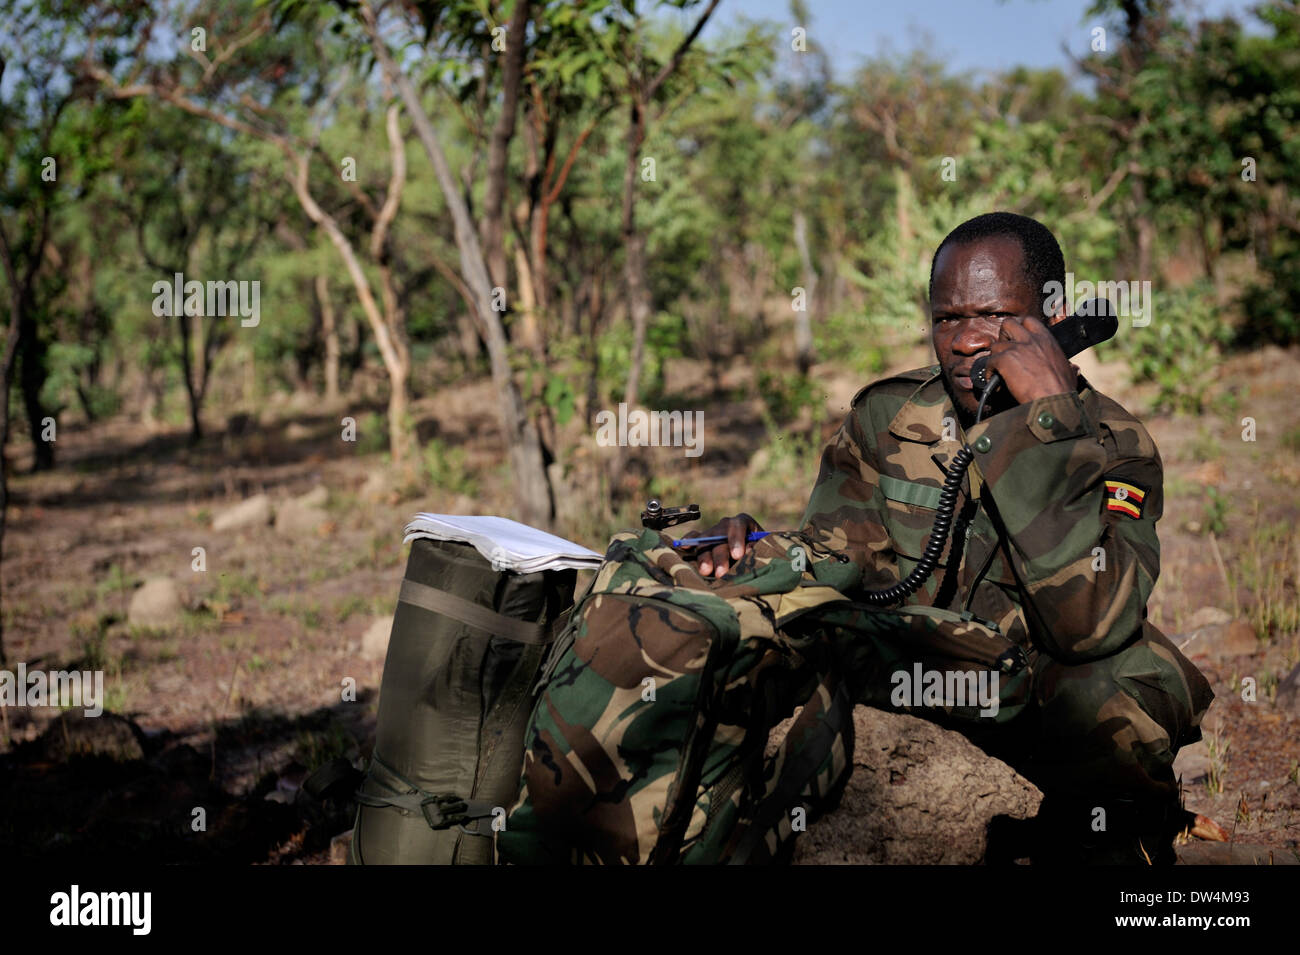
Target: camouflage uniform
{"points": [[1055, 543]]}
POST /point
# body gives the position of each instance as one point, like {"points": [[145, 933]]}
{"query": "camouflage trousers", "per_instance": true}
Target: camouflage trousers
{"points": [[1106, 728]]}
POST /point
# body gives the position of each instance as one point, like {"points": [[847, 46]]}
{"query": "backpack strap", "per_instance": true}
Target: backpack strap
{"points": [[797, 773], [440, 810], [475, 615]]}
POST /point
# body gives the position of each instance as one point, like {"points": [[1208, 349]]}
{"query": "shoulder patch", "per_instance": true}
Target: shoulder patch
{"points": [[1126, 497]]}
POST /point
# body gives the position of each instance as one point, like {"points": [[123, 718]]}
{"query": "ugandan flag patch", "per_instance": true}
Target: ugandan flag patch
{"points": [[1126, 497]]}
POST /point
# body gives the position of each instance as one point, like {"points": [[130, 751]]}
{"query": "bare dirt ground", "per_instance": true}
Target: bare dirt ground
{"points": [[242, 696]]}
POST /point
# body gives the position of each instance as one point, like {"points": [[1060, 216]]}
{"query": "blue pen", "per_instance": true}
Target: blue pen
{"points": [[718, 539]]}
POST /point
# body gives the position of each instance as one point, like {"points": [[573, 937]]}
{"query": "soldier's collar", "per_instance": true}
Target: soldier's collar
{"points": [[921, 417]]}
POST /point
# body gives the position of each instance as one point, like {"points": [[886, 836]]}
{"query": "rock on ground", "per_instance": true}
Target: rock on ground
{"points": [[297, 431], [1233, 639], [1288, 691], [377, 486], [316, 497], [1213, 633], [156, 604], [919, 795], [1192, 764], [295, 518], [254, 512], [374, 643]]}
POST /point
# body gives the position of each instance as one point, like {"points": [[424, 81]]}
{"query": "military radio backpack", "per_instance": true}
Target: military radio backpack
{"points": [[466, 646], [649, 742]]}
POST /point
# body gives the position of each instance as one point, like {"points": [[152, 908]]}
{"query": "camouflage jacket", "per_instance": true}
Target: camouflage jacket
{"points": [[1055, 536]]}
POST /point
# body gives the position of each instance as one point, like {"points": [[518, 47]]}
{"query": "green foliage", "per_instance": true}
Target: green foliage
{"points": [[1264, 567], [784, 395], [857, 340], [69, 364], [1204, 447], [115, 581], [664, 337], [787, 460], [446, 468], [1215, 511], [1179, 349], [372, 434], [318, 747], [560, 398]]}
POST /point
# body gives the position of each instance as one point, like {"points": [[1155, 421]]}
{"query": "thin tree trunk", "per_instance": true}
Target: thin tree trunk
{"points": [[638, 289], [803, 342], [532, 485], [32, 380], [329, 328], [902, 205], [388, 351], [541, 217], [634, 266], [494, 207], [13, 339], [187, 370], [530, 331]]}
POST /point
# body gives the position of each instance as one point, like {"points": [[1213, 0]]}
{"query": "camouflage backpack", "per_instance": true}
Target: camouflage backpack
{"points": [[648, 743]]}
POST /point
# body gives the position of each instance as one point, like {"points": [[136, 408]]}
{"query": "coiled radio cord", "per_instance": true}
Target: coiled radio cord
{"points": [[942, 520]]}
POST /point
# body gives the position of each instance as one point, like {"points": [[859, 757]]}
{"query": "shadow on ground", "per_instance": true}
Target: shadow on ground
{"points": [[100, 790]]}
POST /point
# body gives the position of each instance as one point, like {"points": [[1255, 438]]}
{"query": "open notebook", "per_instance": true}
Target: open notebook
{"points": [[507, 544]]}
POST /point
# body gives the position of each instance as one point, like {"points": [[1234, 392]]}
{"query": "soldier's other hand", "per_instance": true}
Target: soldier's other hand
{"points": [[717, 560]]}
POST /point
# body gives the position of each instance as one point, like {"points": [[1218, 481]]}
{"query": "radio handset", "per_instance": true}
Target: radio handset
{"points": [[1092, 323]]}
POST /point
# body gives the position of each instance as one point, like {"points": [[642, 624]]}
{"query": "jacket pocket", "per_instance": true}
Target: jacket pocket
{"points": [[909, 528]]}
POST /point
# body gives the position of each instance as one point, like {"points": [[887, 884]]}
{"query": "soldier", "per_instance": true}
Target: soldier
{"points": [[1054, 542]]}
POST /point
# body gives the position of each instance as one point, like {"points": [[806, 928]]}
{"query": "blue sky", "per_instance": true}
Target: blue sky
{"points": [[970, 34]]}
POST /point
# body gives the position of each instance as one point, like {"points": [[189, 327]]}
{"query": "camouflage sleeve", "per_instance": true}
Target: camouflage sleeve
{"points": [[1079, 494], [846, 506]]}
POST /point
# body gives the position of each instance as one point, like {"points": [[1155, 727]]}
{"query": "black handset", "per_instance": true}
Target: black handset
{"points": [[1093, 322]]}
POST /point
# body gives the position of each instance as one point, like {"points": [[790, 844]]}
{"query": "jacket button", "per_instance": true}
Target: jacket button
{"points": [[1046, 420], [982, 443]]}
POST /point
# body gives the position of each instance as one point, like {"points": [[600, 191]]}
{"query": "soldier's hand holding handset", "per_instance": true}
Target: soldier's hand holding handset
{"points": [[1030, 360]]}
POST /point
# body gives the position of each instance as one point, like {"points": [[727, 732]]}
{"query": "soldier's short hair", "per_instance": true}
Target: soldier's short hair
{"points": [[1043, 259]]}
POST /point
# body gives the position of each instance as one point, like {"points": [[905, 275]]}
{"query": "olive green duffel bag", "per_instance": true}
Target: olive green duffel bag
{"points": [[464, 655]]}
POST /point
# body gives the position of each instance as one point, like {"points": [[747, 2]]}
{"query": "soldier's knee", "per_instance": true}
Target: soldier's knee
{"points": [[1137, 697]]}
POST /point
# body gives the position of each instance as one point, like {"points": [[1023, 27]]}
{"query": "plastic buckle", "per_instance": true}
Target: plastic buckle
{"points": [[444, 810], [1013, 660]]}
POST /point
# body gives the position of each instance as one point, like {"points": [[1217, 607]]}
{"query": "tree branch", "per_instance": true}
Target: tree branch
{"points": [[675, 60]]}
